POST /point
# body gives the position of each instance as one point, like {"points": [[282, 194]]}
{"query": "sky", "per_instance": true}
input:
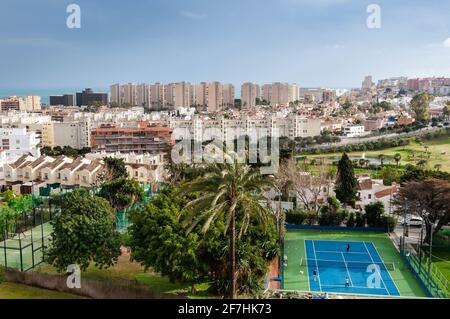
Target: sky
{"points": [[309, 42]]}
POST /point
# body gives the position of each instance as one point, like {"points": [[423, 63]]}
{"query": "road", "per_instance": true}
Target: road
{"points": [[353, 140]]}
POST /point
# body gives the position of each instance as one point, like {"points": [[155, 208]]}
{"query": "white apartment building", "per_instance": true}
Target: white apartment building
{"points": [[74, 134], [353, 130], [17, 141], [291, 127]]}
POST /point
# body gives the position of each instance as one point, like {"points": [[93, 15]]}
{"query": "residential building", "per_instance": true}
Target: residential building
{"points": [[17, 142], [353, 130], [75, 134], [62, 100], [88, 98], [24, 104], [139, 138], [250, 92]]}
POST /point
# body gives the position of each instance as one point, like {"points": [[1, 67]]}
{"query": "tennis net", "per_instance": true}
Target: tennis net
{"points": [[346, 264]]}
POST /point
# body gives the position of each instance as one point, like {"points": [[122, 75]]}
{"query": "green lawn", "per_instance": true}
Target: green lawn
{"points": [[441, 259], [295, 250], [126, 271], [16, 291], [411, 154]]}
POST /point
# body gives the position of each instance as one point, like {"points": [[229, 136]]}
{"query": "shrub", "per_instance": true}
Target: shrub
{"points": [[389, 222], [351, 222], [360, 220], [311, 218], [374, 212], [295, 217]]}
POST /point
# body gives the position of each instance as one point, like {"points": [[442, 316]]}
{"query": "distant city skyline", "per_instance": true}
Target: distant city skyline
{"points": [[312, 43]]}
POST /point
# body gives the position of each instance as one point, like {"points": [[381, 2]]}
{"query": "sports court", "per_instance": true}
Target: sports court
{"points": [[25, 250], [373, 265], [357, 271]]}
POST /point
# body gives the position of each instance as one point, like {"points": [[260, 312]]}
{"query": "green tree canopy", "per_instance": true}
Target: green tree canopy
{"points": [[346, 182], [83, 232], [121, 193], [158, 241], [420, 104], [223, 188], [115, 168]]}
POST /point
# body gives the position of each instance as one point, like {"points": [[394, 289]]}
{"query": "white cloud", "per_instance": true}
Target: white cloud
{"points": [[446, 43], [192, 15]]}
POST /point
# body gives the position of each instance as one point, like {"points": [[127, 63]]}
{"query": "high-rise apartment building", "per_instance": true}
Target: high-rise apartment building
{"points": [[250, 92], [201, 94], [25, 103], [62, 100], [367, 83], [280, 94], [88, 98]]}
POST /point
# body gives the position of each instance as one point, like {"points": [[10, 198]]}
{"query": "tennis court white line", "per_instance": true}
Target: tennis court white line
{"points": [[337, 252], [358, 287], [348, 272], [392, 279], [379, 273], [307, 268], [317, 266]]}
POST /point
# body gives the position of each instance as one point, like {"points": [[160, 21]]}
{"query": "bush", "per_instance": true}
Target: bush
{"points": [[389, 222], [311, 218], [295, 217], [360, 219], [351, 222], [374, 212]]}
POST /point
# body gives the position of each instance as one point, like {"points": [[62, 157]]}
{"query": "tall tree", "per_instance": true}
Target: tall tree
{"points": [[115, 169], [429, 199], [223, 188], [420, 104], [83, 232], [346, 182], [121, 193], [398, 158]]}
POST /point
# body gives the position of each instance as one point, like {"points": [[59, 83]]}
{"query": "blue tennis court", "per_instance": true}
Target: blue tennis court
{"points": [[360, 270]]}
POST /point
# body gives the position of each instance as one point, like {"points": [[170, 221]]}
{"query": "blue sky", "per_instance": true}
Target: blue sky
{"points": [[309, 42]]}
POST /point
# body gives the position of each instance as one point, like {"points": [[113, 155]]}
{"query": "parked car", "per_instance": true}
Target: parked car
{"points": [[412, 221]]}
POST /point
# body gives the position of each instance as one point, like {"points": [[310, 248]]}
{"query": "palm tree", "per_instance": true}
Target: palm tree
{"points": [[422, 163], [362, 162], [224, 188], [398, 158], [438, 167], [382, 157]]}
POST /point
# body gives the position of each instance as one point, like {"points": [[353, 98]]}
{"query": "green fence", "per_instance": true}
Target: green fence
{"points": [[23, 238], [420, 269]]}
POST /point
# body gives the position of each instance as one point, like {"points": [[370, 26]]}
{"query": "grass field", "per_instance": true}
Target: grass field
{"points": [[126, 271], [16, 291], [411, 154], [294, 247]]}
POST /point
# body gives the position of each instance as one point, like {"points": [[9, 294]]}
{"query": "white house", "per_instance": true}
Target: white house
{"points": [[353, 130], [17, 142]]}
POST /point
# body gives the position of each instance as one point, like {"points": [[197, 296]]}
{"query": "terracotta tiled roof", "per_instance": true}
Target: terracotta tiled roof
{"points": [[38, 162], [386, 192], [365, 184], [19, 162]]}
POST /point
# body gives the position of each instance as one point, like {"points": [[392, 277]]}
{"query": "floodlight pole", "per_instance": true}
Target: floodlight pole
{"points": [[420, 247], [431, 253]]}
